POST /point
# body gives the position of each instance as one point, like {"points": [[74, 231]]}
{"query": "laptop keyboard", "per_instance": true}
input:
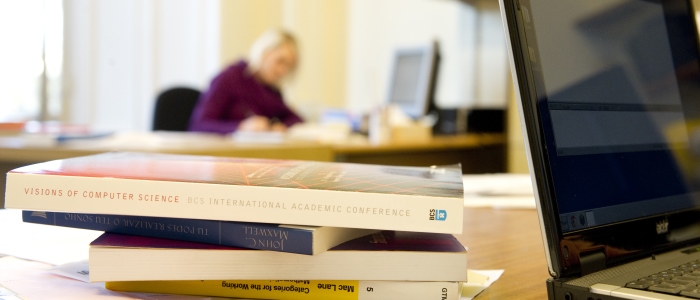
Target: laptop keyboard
{"points": [[683, 280]]}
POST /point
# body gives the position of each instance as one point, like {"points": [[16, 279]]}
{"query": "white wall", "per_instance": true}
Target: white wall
{"points": [[492, 71], [320, 81], [473, 71], [320, 27], [21, 31], [119, 54]]}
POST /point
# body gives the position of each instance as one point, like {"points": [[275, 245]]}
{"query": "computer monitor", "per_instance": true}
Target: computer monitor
{"points": [[413, 79]]}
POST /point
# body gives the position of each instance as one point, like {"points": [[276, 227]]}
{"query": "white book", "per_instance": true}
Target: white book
{"points": [[388, 255], [424, 199]]}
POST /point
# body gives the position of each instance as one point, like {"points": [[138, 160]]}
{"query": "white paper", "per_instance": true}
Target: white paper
{"points": [[30, 280], [50, 244], [5, 293], [508, 191], [499, 184], [478, 281], [78, 270]]}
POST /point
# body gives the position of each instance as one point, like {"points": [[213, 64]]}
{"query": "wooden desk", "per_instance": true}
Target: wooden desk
{"points": [[478, 153], [509, 240], [439, 150]]}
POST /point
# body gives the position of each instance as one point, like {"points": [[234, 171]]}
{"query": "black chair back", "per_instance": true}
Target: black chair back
{"points": [[173, 108]]}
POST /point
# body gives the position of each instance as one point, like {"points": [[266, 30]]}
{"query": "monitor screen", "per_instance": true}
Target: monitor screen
{"points": [[413, 77], [617, 87]]}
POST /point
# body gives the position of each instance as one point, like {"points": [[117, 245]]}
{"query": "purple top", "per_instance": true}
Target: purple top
{"points": [[235, 95]]}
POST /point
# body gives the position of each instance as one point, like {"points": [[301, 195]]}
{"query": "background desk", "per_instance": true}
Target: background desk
{"points": [[478, 153], [19, 151]]}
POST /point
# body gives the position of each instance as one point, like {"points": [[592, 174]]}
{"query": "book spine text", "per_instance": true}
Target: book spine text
{"points": [[297, 289], [235, 234], [234, 203]]}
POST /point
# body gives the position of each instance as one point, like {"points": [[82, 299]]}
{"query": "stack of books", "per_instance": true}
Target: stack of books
{"points": [[210, 226]]}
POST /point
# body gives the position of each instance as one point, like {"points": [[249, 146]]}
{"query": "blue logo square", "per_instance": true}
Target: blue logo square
{"points": [[441, 215]]}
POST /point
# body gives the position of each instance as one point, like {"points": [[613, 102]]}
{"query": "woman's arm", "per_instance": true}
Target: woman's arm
{"points": [[290, 118], [210, 114]]}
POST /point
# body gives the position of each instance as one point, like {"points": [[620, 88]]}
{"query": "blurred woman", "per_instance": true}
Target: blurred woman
{"points": [[246, 95]]}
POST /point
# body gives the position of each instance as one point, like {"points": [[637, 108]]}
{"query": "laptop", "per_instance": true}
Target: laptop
{"points": [[609, 99]]}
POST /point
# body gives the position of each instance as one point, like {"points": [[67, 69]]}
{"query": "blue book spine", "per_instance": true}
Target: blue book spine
{"points": [[236, 234]]}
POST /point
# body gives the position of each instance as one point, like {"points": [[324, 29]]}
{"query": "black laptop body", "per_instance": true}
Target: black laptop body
{"points": [[609, 99]]}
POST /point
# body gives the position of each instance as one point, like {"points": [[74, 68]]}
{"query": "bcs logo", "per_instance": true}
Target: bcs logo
{"points": [[438, 215]]}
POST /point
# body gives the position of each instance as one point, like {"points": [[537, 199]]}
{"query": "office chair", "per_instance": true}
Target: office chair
{"points": [[173, 108]]}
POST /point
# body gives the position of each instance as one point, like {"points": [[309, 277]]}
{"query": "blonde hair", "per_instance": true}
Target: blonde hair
{"points": [[269, 40]]}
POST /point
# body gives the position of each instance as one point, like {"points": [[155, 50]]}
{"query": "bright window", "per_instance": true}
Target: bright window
{"points": [[31, 58]]}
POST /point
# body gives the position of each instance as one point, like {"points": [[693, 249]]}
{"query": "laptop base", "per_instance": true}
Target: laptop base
{"points": [[558, 290]]}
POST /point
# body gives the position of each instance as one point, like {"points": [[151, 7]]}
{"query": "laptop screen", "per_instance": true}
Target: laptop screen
{"points": [[619, 104]]}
